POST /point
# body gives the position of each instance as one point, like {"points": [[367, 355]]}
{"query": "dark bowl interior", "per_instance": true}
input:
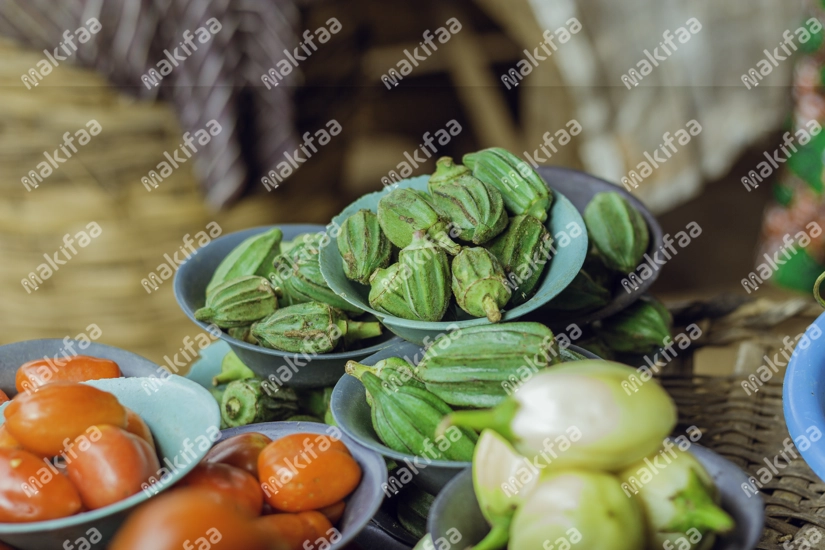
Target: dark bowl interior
{"points": [[579, 188], [14, 355], [294, 369], [457, 507], [363, 503]]}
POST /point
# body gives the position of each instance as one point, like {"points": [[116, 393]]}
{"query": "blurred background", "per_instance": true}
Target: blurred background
{"points": [[489, 77]]}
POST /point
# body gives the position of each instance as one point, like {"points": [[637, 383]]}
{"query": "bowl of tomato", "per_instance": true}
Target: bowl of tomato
{"points": [[76, 457], [273, 485]]}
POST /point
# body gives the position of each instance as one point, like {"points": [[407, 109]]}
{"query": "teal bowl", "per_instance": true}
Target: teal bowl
{"points": [[364, 502], [185, 422], [456, 508], [352, 414], [562, 269]]}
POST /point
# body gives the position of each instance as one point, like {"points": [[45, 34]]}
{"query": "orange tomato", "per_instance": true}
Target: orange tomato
{"points": [[110, 466], [303, 472], [78, 368], [188, 518], [291, 531], [334, 512], [136, 425], [240, 451], [41, 421], [30, 490], [238, 486], [6, 440], [3, 399]]}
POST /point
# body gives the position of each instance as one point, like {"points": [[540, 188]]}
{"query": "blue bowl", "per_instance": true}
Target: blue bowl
{"points": [[457, 507], [364, 502], [803, 395], [180, 413], [352, 413], [562, 269], [322, 370]]}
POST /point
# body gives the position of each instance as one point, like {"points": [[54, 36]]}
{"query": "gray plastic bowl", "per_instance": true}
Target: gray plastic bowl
{"points": [[559, 272], [14, 355], [352, 413], [177, 410], [579, 188], [190, 288], [364, 502], [457, 507]]}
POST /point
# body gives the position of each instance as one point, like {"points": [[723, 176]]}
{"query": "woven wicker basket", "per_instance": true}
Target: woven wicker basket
{"points": [[101, 183]]}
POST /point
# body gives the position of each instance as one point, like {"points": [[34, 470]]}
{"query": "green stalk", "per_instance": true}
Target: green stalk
{"points": [[496, 539], [356, 330], [497, 419], [204, 314], [357, 370], [491, 308], [232, 369], [245, 402], [696, 509]]}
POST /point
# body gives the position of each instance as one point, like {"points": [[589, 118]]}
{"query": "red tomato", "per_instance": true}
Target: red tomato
{"points": [[78, 368], [136, 425], [293, 531], [188, 519], [303, 472], [334, 512], [30, 490], [110, 466], [240, 451], [238, 486], [43, 420]]}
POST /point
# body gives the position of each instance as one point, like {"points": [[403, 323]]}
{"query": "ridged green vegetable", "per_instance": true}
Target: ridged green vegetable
{"points": [[479, 284], [238, 302], [363, 246], [413, 509], [523, 190], [446, 171], [583, 294], [252, 257], [480, 366], [388, 292], [402, 212], [617, 230], [245, 402], [299, 276], [312, 327], [427, 284], [406, 421], [641, 328], [394, 372], [475, 208], [523, 251], [243, 334]]}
